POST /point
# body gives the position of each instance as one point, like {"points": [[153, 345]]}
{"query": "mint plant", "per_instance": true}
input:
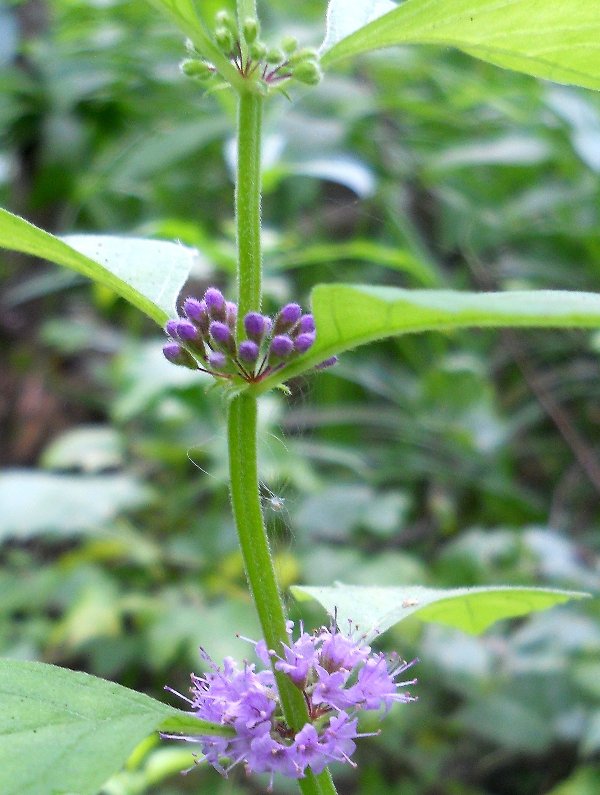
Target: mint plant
{"points": [[301, 710]]}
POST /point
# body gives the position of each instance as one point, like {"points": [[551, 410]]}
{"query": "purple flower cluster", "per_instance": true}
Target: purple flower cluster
{"points": [[205, 338], [338, 676]]}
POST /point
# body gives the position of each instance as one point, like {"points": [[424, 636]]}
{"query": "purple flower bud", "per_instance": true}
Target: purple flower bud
{"points": [[327, 363], [186, 331], [255, 325], [281, 346], [217, 360], [303, 341], [248, 351], [171, 327], [175, 354], [222, 336], [291, 313], [195, 309], [215, 303], [172, 351], [220, 332], [287, 317], [231, 311], [306, 324]]}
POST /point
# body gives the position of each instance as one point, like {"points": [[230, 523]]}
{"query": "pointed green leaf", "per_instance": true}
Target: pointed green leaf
{"points": [[473, 610], [554, 40], [147, 273], [349, 315], [66, 731]]}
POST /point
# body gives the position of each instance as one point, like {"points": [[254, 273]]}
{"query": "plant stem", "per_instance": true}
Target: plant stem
{"points": [[241, 429], [245, 498], [247, 204]]}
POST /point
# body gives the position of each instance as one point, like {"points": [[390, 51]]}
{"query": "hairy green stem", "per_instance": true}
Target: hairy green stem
{"points": [[247, 204], [247, 511], [241, 429]]}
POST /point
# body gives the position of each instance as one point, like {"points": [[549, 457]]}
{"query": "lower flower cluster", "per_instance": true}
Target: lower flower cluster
{"points": [[205, 338], [338, 676]]}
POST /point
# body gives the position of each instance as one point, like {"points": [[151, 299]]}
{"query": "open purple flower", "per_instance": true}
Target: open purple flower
{"points": [[338, 675]]}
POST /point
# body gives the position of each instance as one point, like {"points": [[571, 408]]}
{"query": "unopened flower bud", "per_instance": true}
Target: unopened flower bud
{"points": [[215, 303], [222, 336], [257, 50], [303, 341], [171, 327], [217, 360], [224, 38], [187, 331], [200, 70], [255, 325], [308, 72], [250, 29], [288, 316], [281, 346], [231, 311], [275, 56], [306, 324], [194, 308], [175, 354], [305, 54], [289, 44], [224, 19], [248, 351]]}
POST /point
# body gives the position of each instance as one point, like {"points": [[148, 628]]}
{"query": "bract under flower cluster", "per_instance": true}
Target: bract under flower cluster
{"points": [[205, 338], [339, 677]]}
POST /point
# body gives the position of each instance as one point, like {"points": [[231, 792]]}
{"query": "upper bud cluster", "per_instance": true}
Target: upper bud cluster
{"points": [[253, 58], [205, 338]]}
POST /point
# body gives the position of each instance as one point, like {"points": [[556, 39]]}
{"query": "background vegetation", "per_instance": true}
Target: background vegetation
{"points": [[465, 458]]}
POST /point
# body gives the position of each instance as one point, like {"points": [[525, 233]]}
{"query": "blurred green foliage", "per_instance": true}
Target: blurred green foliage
{"points": [[443, 459]]}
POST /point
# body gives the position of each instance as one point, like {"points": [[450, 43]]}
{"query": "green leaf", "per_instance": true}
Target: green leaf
{"points": [[473, 610], [147, 273], [64, 731], [554, 40], [35, 502], [347, 316], [396, 259]]}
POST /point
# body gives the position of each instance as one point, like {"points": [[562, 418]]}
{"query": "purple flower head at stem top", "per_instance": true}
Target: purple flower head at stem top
{"points": [[338, 675], [210, 325]]}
